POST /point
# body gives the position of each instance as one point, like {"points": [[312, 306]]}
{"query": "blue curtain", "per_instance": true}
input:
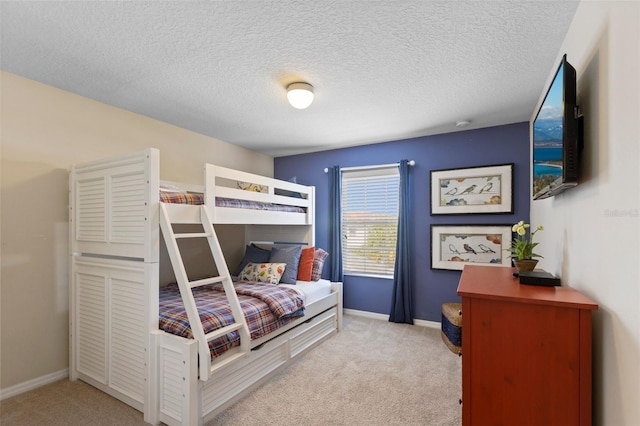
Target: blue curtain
{"points": [[401, 303], [335, 226]]}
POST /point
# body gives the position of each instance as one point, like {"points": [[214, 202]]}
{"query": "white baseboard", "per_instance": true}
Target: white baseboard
{"points": [[33, 384], [366, 314], [383, 317], [429, 324]]}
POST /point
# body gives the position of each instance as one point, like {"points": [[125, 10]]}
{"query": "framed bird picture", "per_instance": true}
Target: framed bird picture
{"points": [[487, 189], [453, 246]]}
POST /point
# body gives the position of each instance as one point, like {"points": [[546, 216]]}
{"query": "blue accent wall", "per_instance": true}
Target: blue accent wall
{"points": [[472, 148]]}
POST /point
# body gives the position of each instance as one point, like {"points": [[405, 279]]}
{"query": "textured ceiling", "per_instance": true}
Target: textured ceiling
{"points": [[382, 70]]}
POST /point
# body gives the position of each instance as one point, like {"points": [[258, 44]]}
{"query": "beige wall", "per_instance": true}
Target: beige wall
{"points": [[43, 131], [592, 232]]}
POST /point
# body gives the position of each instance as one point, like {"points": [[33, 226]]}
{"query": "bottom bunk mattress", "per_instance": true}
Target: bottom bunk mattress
{"points": [[266, 308], [310, 291]]}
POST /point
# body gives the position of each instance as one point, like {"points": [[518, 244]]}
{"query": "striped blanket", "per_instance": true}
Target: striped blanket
{"points": [[266, 308], [175, 197], [256, 205]]}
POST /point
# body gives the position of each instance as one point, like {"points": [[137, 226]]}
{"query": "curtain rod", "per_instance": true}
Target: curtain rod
{"points": [[379, 166]]}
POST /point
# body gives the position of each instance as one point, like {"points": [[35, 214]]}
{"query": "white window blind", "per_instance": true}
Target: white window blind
{"points": [[369, 220]]}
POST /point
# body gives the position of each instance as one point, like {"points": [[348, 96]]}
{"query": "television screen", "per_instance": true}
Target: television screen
{"points": [[547, 137], [555, 136]]}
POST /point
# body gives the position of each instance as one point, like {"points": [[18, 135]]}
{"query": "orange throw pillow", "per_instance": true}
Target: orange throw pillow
{"points": [[306, 264]]}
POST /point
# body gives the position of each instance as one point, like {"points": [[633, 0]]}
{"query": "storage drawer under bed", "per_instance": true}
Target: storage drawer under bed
{"points": [[228, 384], [307, 334]]}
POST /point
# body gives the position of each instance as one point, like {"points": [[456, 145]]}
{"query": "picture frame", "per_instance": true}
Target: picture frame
{"points": [[484, 189], [453, 246]]}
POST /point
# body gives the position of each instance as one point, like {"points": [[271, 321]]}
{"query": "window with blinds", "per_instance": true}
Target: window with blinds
{"points": [[369, 220]]}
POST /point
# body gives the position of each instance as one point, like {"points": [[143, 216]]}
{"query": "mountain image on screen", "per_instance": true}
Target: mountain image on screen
{"points": [[548, 132], [547, 137], [547, 152]]}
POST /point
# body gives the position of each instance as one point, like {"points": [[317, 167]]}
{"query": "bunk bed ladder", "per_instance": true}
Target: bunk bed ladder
{"points": [[186, 291]]}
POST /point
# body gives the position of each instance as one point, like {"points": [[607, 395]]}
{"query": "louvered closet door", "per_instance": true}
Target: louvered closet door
{"points": [[114, 207], [111, 323], [90, 325], [127, 370]]}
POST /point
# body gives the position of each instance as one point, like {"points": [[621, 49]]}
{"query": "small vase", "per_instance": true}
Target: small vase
{"points": [[525, 264]]}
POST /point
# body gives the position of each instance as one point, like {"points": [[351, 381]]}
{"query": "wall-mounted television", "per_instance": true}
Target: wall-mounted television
{"points": [[557, 136]]}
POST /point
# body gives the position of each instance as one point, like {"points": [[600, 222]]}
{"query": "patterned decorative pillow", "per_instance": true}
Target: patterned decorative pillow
{"points": [[248, 186], [318, 264], [263, 272]]}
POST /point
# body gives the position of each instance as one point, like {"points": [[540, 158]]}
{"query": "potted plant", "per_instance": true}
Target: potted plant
{"points": [[522, 246]]}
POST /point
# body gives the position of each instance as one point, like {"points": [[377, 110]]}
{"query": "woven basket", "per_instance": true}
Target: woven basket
{"points": [[452, 326]]}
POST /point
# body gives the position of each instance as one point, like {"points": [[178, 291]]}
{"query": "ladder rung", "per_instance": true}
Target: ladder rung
{"points": [[193, 235], [222, 331], [205, 281]]}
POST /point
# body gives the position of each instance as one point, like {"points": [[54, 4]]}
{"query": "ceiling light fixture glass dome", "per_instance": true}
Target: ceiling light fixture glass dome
{"points": [[300, 95]]}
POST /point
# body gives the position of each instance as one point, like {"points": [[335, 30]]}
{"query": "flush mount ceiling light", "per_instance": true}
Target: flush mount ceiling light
{"points": [[300, 95]]}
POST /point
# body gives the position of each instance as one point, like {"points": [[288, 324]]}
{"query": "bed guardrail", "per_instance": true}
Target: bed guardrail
{"points": [[228, 183]]}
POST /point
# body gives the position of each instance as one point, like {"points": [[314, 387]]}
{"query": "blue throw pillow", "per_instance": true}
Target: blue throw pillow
{"points": [[253, 254], [293, 194], [290, 256]]}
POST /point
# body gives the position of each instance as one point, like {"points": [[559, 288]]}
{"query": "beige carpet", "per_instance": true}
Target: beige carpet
{"points": [[372, 373]]}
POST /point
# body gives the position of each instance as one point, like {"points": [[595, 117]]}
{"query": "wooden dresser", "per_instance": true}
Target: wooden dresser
{"points": [[526, 351]]}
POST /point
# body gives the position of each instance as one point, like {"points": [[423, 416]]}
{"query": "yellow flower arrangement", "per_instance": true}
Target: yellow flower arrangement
{"points": [[522, 246]]}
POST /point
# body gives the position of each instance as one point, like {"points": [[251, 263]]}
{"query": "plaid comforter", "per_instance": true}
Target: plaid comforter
{"points": [[266, 308], [181, 197]]}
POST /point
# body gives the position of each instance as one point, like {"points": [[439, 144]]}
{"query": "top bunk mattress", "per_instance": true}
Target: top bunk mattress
{"points": [[193, 198]]}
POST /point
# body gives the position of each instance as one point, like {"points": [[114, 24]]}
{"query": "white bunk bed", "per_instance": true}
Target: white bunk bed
{"points": [[115, 342]]}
